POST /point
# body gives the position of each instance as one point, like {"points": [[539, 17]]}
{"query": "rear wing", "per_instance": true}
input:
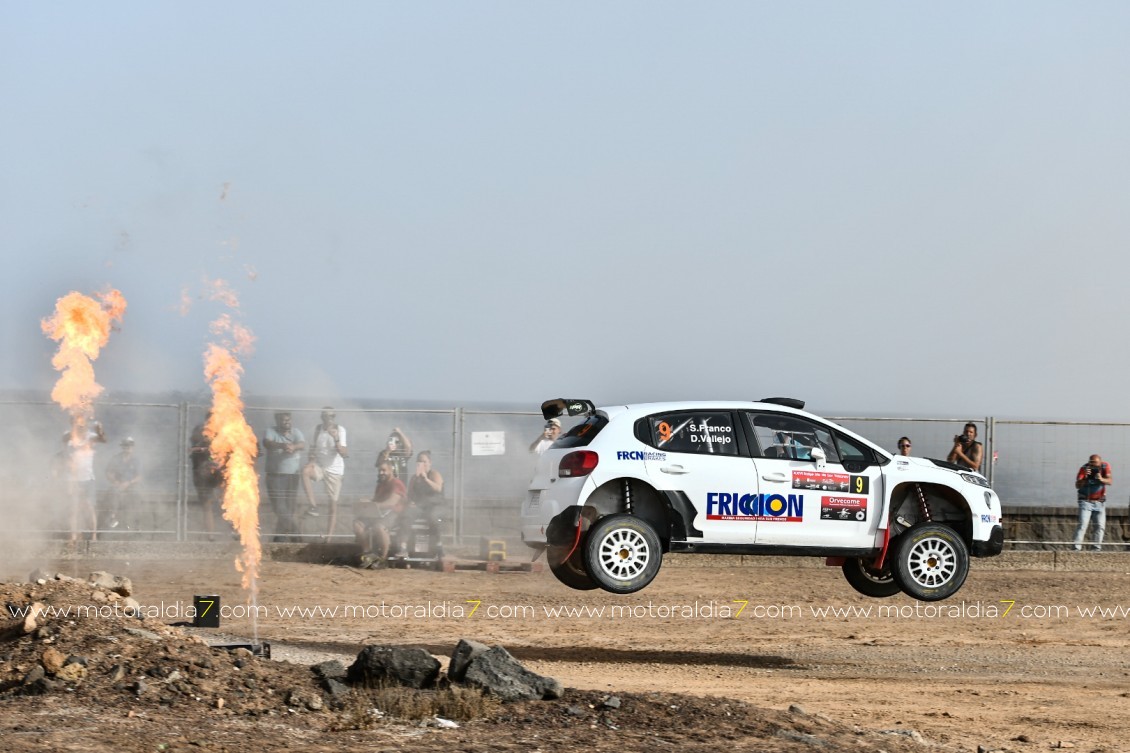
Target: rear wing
{"points": [[566, 407]]}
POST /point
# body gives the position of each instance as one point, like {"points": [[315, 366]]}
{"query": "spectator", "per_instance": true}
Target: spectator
{"points": [[327, 465], [549, 434], [207, 477], [124, 475], [283, 444], [79, 442], [397, 452], [1091, 481], [425, 502], [376, 517], [967, 451], [904, 446]]}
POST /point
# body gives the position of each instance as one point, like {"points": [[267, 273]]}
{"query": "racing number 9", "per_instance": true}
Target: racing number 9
{"points": [[664, 431], [859, 484]]}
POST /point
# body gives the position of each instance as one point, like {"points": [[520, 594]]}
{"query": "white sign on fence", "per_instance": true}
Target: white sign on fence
{"points": [[488, 443]]}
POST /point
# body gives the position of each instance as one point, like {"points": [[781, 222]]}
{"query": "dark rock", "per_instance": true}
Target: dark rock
{"points": [[575, 711], [329, 670], [36, 674], [337, 691], [612, 702], [139, 687], [74, 659], [497, 672], [413, 667], [465, 652]]}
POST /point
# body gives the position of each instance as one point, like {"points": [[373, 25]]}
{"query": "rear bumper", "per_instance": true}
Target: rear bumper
{"points": [[990, 548]]}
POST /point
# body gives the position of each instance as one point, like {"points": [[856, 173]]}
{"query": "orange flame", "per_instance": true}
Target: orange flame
{"points": [[233, 443], [81, 326]]}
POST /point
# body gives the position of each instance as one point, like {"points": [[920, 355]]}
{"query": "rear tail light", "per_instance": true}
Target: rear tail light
{"points": [[579, 463]]}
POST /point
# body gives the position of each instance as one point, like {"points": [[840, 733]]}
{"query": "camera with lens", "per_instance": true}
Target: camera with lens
{"points": [[960, 439]]}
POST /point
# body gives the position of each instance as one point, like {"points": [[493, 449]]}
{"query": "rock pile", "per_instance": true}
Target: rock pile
{"points": [[89, 637]]}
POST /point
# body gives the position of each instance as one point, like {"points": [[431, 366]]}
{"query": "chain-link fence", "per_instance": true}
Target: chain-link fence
{"points": [[484, 456]]}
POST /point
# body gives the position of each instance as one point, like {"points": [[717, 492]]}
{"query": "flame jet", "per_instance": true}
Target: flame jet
{"points": [[233, 443], [81, 325]]}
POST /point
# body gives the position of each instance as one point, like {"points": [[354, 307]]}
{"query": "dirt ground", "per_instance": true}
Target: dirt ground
{"points": [[1013, 662]]}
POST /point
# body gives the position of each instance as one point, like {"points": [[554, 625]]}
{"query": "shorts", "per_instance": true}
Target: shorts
{"points": [[383, 519], [333, 481], [83, 492]]}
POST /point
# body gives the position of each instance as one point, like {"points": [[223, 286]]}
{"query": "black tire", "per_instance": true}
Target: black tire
{"points": [[622, 553], [570, 571], [868, 581], [931, 562]]}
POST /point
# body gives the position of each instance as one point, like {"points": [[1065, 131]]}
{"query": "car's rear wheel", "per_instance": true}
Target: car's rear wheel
{"points": [[622, 553], [931, 562], [570, 570], [867, 580]]}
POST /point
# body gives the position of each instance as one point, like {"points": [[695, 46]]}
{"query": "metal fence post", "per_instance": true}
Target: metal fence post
{"points": [[182, 473], [457, 456], [990, 447]]}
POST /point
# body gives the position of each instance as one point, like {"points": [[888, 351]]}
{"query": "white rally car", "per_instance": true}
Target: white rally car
{"points": [[631, 482]]}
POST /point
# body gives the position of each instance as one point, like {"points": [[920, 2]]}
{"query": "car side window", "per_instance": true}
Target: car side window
{"points": [[852, 450], [791, 437], [698, 432]]}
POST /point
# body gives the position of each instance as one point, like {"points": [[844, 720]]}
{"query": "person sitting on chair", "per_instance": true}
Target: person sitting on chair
{"points": [[425, 502], [376, 517]]}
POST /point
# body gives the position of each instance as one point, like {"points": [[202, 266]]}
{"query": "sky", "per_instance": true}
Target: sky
{"points": [[892, 208]]}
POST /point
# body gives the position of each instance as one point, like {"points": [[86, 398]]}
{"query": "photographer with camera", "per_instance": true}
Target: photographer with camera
{"points": [[967, 451], [548, 436], [1091, 482]]}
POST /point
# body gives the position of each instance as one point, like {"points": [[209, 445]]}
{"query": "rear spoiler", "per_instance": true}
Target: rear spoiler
{"points": [[566, 407], [788, 402]]}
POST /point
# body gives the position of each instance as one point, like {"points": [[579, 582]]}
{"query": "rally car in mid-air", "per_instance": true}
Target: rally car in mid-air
{"points": [[629, 483]]}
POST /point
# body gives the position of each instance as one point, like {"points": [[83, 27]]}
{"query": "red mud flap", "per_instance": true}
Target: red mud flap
{"points": [[563, 534], [877, 563]]}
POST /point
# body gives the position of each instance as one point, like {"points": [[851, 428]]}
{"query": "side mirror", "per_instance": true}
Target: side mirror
{"points": [[818, 455]]}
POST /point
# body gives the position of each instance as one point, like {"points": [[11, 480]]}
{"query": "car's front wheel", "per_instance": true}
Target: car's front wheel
{"points": [[622, 553], [869, 581], [931, 562]]}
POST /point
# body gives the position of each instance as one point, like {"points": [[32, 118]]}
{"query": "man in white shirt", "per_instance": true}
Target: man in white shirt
{"points": [[327, 465], [79, 445]]}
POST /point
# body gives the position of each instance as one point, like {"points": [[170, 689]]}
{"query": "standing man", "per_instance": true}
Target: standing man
{"points": [[327, 464], [904, 446], [967, 451], [397, 453], [79, 443], [207, 477], [1091, 481], [549, 434], [124, 474], [284, 444]]}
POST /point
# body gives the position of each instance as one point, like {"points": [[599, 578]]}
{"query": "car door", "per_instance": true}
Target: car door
{"points": [[703, 455], [808, 501]]}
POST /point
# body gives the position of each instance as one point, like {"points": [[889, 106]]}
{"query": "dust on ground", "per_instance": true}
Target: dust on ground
{"points": [[1013, 662]]}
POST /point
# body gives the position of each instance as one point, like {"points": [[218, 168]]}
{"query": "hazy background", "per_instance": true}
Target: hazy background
{"points": [[887, 207]]}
